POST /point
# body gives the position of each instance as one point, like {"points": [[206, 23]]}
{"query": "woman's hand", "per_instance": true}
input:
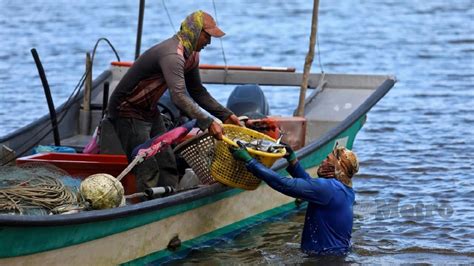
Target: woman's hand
{"points": [[327, 170], [241, 153], [290, 155]]}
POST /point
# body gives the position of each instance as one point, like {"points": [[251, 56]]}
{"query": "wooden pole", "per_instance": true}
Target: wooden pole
{"points": [[308, 60], [86, 105], [85, 114]]}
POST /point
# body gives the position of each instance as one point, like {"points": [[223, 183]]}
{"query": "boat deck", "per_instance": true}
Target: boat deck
{"points": [[77, 142]]}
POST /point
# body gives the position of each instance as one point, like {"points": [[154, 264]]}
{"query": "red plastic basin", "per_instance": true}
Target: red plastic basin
{"points": [[84, 165]]}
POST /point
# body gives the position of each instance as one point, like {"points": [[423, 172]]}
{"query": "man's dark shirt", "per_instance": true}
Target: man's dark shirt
{"points": [[162, 67]]}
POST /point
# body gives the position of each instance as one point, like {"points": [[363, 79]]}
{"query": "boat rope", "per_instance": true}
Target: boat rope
{"points": [[73, 97], [222, 43], [35, 189], [49, 194], [110, 45], [169, 16], [319, 53]]}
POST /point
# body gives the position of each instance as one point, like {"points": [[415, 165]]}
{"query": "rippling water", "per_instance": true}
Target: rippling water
{"points": [[416, 184]]}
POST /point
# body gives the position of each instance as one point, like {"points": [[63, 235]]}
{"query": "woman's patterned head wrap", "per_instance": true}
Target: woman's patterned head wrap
{"points": [[347, 164]]}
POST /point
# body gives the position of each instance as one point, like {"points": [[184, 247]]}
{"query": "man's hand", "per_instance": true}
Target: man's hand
{"points": [[240, 153], [215, 130], [233, 119], [290, 155]]}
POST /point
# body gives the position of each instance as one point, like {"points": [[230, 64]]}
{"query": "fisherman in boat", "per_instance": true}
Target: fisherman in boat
{"points": [[328, 223], [172, 64]]}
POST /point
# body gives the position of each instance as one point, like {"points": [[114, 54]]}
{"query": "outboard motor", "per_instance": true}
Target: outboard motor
{"points": [[170, 113], [248, 100]]}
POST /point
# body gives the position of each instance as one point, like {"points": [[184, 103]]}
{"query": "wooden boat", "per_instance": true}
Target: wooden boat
{"points": [[166, 228]]}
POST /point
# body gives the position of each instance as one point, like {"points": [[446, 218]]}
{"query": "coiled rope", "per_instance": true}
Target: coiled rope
{"points": [[32, 188]]}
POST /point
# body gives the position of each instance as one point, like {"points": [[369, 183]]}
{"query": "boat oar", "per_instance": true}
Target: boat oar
{"points": [[156, 144]]}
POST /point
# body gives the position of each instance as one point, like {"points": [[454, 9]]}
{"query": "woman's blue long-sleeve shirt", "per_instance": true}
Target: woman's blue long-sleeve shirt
{"points": [[328, 223]]}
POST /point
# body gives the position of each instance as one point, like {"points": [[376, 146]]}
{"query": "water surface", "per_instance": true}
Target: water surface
{"points": [[416, 184]]}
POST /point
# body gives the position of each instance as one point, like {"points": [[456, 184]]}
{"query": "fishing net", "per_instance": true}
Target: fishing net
{"points": [[37, 189]]}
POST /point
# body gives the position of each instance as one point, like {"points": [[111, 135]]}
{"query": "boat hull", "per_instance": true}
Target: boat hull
{"points": [[141, 233], [136, 236]]}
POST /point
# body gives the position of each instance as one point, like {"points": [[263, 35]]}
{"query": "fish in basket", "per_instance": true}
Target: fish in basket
{"points": [[234, 173]]}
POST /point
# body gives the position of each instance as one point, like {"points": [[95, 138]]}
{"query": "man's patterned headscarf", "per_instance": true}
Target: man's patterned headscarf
{"points": [[189, 32]]}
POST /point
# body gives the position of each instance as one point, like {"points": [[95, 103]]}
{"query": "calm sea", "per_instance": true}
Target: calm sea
{"points": [[415, 189]]}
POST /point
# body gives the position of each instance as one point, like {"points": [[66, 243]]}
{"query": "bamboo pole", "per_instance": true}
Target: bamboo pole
{"points": [[308, 60]]}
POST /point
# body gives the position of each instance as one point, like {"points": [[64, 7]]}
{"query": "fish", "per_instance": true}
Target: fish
{"points": [[261, 145]]}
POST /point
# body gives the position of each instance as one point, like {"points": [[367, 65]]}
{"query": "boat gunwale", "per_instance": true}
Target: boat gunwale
{"points": [[363, 109], [59, 110], [185, 197]]}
